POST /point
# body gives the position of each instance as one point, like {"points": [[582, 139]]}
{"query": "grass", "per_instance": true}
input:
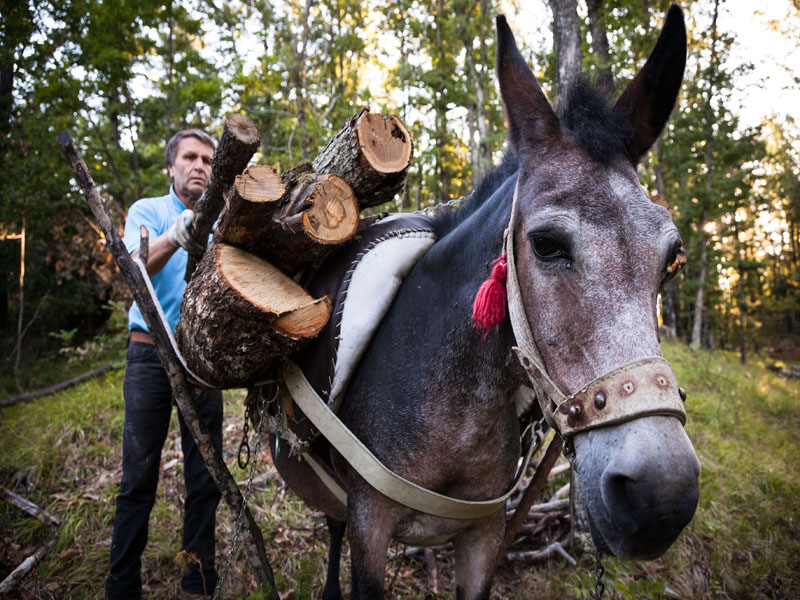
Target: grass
{"points": [[63, 453]]}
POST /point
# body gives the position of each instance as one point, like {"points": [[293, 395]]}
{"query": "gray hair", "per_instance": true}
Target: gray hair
{"points": [[172, 144]]}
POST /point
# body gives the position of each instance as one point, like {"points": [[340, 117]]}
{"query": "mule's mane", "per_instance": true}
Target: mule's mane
{"points": [[587, 113], [448, 219]]}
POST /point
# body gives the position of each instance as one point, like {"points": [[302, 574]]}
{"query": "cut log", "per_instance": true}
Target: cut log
{"points": [[372, 154], [250, 206], [239, 141], [239, 314], [295, 228]]}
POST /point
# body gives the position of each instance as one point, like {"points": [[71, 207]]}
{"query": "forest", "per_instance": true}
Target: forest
{"points": [[124, 76]]}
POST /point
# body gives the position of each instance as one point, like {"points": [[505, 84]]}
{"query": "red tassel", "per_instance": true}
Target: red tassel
{"points": [[489, 308]]}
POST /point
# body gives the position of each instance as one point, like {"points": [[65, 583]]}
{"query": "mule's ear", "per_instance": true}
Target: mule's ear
{"points": [[531, 119], [648, 100]]}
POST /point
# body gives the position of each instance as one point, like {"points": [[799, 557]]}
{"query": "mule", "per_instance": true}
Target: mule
{"points": [[430, 398]]}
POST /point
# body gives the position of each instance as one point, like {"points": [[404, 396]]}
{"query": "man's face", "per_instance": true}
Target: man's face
{"points": [[192, 169]]}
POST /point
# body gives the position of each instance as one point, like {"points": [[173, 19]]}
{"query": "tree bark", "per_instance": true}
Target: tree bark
{"points": [[240, 313], [239, 141], [371, 153], [567, 42]]}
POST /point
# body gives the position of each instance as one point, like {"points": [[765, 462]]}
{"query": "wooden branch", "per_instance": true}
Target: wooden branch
{"points": [[260, 479], [558, 470], [372, 154], [534, 488], [251, 534], [25, 566], [29, 507], [59, 386], [239, 314], [239, 141], [534, 556], [432, 571], [144, 243], [561, 492]]}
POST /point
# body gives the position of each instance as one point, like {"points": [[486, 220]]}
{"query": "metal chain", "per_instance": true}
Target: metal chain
{"points": [[244, 445], [246, 495], [599, 570]]}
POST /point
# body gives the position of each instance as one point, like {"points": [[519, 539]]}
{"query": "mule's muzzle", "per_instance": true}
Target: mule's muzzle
{"points": [[641, 485], [646, 524]]}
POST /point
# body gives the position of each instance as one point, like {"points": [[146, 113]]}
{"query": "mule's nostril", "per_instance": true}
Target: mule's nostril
{"points": [[622, 500]]}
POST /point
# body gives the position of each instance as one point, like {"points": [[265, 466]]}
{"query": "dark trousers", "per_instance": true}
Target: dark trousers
{"points": [[148, 405]]}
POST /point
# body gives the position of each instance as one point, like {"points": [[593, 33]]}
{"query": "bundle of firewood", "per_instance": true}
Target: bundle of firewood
{"points": [[242, 307]]}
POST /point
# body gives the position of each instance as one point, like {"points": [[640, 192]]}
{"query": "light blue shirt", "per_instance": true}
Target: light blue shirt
{"points": [[158, 215]]}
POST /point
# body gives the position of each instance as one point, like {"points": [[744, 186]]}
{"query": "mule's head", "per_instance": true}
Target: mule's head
{"points": [[592, 252]]}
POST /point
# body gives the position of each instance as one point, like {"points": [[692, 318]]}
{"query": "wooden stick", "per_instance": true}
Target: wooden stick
{"points": [[433, 573], [533, 556], [561, 492], [260, 479], [144, 243], [251, 534], [534, 488], [26, 565], [239, 141], [558, 470], [29, 507]]}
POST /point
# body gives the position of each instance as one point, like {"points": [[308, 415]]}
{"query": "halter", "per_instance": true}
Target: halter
{"points": [[640, 388]]}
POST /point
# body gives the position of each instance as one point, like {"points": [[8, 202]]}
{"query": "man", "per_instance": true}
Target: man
{"points": [[148, 395]]}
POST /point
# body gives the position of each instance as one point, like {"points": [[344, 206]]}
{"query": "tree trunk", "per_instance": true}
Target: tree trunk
{"points": [[371, 153], [567, 41], [605, 78], [239, 313], [741, 298], [697, 326], [709, 138]]}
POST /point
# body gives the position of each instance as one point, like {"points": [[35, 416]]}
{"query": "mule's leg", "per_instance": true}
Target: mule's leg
{"points": [[476, 557], [370, 523], [332, 591]]}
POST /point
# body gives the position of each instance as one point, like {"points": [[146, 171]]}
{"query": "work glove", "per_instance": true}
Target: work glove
{"points": [[182, 234]]}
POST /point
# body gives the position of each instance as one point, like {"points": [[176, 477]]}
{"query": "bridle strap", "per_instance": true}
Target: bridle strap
{"points": [[643, 387], [546, 390]]}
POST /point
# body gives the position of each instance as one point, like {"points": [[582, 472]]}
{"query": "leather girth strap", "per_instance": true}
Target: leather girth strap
{"points": [[374, 471]]}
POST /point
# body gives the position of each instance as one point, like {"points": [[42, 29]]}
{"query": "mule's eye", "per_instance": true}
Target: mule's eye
{"points": [[547, 247]]}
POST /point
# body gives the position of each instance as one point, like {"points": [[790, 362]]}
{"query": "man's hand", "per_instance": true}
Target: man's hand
{"points": [[182, 234]]}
